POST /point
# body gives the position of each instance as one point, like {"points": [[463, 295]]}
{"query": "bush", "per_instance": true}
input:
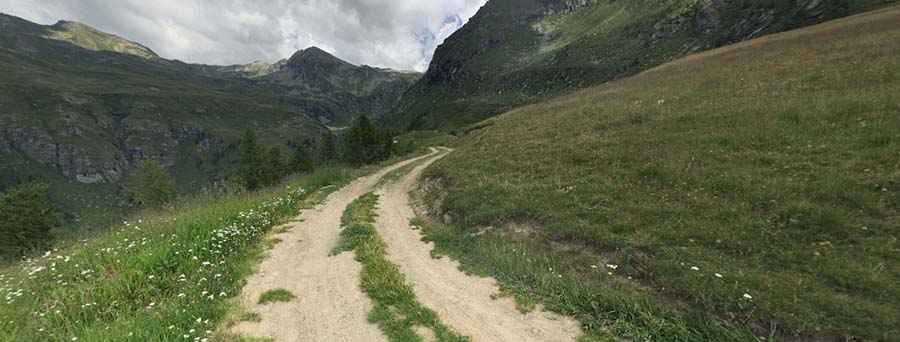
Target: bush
{"points": [[150, 185], [26, 218]]}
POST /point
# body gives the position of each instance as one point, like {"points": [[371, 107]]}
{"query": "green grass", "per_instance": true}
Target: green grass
{"points": [[89, 38], [276, 296], [772, 163], [411, 145], [396, 311], [398, 174], [608, 306], [419, 141], [158, 277]]}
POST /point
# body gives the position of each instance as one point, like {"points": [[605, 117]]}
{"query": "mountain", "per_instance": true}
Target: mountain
{"points": [[90, 38], [316, 82], [751, 190], [514, 52], [83, 118], [335, 90], [252, 70]]}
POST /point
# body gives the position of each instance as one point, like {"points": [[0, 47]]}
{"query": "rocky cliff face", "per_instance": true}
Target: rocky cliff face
{"points": [[514, 52], [71, 155]]}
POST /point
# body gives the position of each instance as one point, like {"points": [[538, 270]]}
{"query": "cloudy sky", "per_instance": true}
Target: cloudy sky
{"points": [[399, 34]]}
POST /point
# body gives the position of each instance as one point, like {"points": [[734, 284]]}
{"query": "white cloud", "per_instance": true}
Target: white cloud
{"points": [[399, 34]]}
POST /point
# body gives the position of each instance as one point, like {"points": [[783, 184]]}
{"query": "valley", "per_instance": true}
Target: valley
{"points": [[563, 171]]}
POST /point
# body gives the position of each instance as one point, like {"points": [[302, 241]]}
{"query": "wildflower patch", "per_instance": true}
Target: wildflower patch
{"points": [[162, 278]]}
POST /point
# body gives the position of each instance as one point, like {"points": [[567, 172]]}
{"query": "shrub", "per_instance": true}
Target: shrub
{"points": [[26, 218], [150, 185]]}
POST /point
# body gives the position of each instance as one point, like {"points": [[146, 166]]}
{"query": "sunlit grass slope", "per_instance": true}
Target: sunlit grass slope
{"points": [[758, 184], [163, 277]]}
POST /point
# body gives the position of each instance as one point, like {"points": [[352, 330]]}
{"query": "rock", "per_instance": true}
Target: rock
{"points": [[89, 179]]}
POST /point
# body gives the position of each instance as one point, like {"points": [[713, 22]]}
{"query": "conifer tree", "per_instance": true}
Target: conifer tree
{"points": [[327, 148], [300, 161], [27, 217], [250, 161], [360, 142], [272, 167]]}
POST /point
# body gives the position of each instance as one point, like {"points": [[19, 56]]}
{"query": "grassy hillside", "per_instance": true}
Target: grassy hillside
{"points": [[162, 276], [752, 189], [90, 38], [515, 52]]}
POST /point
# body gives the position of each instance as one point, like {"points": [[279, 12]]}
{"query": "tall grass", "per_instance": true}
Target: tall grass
{"points": [[162, 277], [757, 184]]}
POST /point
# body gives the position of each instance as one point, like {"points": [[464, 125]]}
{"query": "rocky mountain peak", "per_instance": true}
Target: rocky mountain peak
{"points": [[65, 24], [316, 57]]}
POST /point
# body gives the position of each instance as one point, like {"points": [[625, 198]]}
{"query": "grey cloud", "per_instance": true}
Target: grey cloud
{"points": [[386, 33]]}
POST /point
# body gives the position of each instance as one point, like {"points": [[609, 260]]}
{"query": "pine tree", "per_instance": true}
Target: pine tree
{"points": [[384, 145], [150, 185], [360, 142], [300, 161], [273, 167], [26, 218], [327, 148], [250, 162]]}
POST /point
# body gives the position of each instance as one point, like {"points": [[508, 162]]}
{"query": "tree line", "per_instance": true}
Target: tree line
{"points": [[362, 143]]}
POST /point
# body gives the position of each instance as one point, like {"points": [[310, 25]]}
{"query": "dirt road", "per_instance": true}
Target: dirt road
{"points": [[330, 305], [462, 302]]}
